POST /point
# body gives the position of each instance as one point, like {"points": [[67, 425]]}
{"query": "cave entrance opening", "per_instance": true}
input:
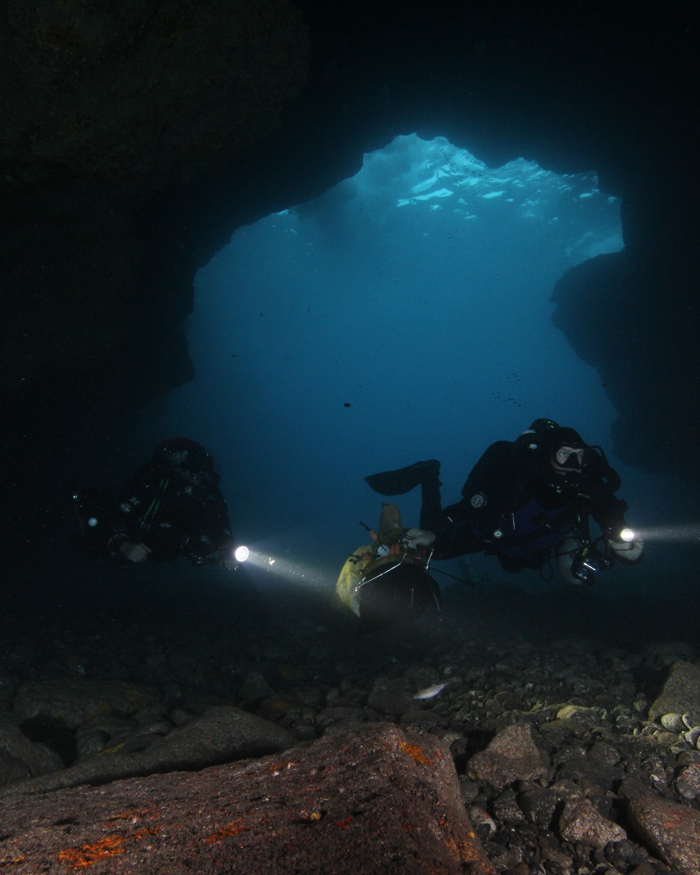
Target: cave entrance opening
{"points": [[402, 315]]}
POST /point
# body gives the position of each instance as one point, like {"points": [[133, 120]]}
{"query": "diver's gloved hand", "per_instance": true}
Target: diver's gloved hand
{"points": [[134, 552], [414, 539], [628, 551]]}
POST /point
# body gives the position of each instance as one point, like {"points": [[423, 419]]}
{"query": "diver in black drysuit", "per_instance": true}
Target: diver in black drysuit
{"points": [[171, 507], [524, 501]]}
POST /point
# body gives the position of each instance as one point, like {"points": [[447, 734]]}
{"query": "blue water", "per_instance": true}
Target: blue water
{"points": [[403, 315]]}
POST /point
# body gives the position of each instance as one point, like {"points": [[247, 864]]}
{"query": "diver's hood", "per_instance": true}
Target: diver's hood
{"points": [[566, 437], [185, 457]]}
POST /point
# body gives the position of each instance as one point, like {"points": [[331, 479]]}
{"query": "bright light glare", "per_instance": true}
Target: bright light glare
{"points": [[627, 535], [241, 554]]}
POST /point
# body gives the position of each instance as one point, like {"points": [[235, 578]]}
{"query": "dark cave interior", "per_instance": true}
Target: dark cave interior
{"points": [[119, 183]]}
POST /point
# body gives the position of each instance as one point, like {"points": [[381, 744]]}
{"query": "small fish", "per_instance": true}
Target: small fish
{"points": [[429, 692]]}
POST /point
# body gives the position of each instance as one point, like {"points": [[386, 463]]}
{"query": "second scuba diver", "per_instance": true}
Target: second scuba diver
{"points": [[526, 501]]}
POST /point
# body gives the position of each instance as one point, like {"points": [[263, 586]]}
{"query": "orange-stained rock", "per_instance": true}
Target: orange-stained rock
{"points": [[371, 801], [672, 830]]}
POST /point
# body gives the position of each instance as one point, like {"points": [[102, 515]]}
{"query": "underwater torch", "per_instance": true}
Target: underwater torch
{"points": [[240, 554]]}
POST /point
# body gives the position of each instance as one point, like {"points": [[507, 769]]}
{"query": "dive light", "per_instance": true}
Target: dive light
{"points": [[627, 535], [241, 554]]}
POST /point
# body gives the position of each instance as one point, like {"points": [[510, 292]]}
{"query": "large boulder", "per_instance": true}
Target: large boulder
{"points": [[373, 801], [672, 830], [222, 734], [680, 694]]}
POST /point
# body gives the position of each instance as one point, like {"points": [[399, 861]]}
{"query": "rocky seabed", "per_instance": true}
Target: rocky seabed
{"points": [[574, 751]]}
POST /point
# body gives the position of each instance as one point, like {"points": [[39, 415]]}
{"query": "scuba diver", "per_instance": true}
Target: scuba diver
{"points": [[388, 580], [171, 507], [526, 501]]}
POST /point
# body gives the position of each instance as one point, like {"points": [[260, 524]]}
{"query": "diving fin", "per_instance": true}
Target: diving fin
{"points": [[403, 480]]}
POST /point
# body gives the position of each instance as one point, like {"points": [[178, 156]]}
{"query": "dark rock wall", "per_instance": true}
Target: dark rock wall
{"points": [[636, 321], [103, 106], [137, 138]]}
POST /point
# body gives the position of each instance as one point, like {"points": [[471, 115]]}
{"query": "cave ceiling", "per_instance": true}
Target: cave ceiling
{"points": [[138, 136]]}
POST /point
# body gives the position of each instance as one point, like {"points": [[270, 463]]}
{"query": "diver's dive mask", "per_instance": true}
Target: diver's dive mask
{"points": [[570, 459]]}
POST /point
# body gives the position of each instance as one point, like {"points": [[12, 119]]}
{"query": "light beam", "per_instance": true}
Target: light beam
{"points": [[291, 570], [687, 532]]}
